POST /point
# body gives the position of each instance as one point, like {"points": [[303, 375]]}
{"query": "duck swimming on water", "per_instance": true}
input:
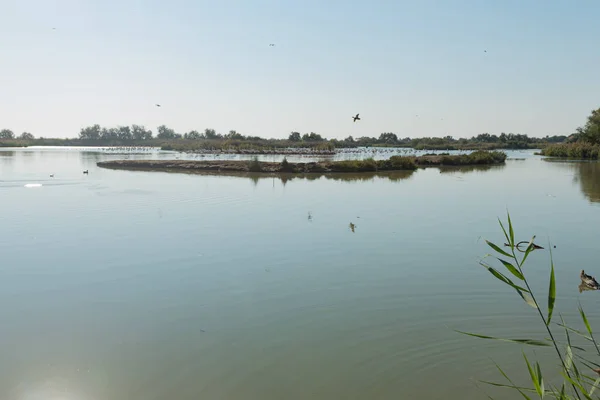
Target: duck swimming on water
{"points": [[589, 280]]}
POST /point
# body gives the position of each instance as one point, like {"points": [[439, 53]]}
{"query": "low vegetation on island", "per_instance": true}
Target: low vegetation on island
{"points": [[394, 163]]}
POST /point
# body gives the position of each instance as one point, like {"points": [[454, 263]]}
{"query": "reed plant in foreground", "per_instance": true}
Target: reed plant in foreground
{"points": [[580, 375]]}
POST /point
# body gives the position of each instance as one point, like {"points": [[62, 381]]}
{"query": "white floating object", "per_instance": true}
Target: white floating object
{"points": [[32, 185]]}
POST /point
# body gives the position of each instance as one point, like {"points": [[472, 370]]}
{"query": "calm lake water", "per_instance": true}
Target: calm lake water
{"points": [[123, 285]]}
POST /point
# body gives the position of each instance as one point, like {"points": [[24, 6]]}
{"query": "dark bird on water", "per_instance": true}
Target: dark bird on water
{"points": [[588, 280], [271, 44], [158, 105], [85, 172], [51, 175], [355, 118]]}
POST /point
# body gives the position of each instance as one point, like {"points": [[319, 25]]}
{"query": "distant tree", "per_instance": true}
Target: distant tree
{"points": [[139, 132], [90, 133], [295, 137], [484, 138], [555, 139], [234, 135], [124, 133], [166, 133], [6, 134], [285, 165], [193, 135], [388, 137], [312, 137], [26, 136], [349, 139], [210, 134], [365, 140], [109, 133], [590, 132]]}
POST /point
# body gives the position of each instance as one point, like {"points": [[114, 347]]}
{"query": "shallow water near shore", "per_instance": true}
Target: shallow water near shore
{"points": [[151, 285]]}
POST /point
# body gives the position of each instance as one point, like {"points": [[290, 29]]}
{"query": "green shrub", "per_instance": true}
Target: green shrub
{"points": [[285, 165], [579, 150], [354, 166], [475, 158], [254, 165], [398, 163]]}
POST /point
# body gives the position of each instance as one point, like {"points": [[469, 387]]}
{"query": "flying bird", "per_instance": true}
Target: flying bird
{"points": [[271, 44], [355, 118]]}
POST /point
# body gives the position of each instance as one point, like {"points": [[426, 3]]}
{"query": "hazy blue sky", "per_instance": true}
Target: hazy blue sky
{"points": [[209, 64]]}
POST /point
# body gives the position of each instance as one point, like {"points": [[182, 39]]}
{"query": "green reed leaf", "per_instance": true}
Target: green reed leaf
{"points": [[508, 386], [498, 249], [505, 234], [528, 250], [551, 291], [511, 232], [569, 359], [533, 376], [576, 384], [530, 342], [512, 383], [585, 320], [595, 386], [512, 269], [575, 331], [503, 278], [540, 379]]}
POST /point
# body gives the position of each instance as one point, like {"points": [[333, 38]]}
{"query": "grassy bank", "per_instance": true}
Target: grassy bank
{"points": [[579, 150], [14, 143], [395, 163], [258, 145]]}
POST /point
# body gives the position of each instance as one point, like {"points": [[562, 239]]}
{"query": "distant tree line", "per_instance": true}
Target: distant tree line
{"points": [[504, 140], [140, 134]]}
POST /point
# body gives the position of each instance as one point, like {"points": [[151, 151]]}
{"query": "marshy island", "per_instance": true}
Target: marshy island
{"points": [[394, 163]]}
